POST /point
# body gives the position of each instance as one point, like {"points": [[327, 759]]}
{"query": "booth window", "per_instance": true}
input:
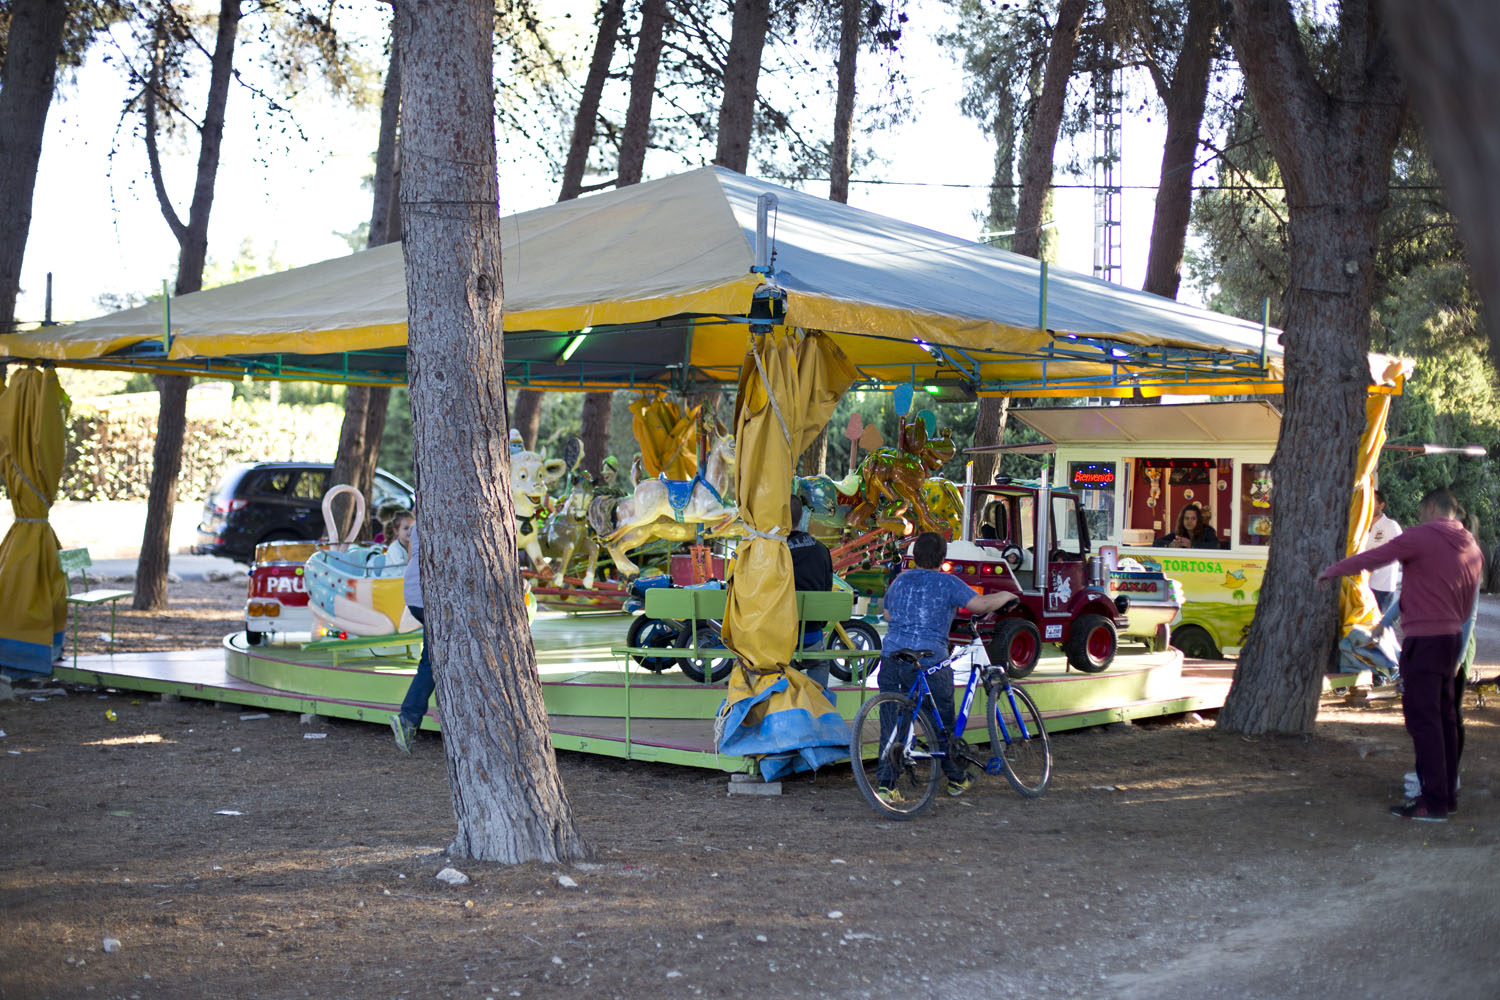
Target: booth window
{"points": [[1255, 505], [1094, 482], [1162, 487]]}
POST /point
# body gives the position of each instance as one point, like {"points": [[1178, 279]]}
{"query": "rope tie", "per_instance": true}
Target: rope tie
{"points": [[775, 406]]}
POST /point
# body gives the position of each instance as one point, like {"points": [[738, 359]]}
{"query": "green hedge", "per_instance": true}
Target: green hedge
{"points": [[109, 452]]}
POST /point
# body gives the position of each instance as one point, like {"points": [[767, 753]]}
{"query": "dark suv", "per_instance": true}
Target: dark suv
{"points": [[277, 502]]}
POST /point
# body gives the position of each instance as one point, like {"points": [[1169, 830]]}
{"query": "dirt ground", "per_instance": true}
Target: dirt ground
{"points": [[238, 857]]}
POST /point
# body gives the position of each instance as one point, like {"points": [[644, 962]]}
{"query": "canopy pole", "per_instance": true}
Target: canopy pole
{"points": [[764, 206], [166, 317], [1041, 320], [1265, 328]]}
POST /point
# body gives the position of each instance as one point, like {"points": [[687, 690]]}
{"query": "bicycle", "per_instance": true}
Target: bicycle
{"points": [[909, 748]]}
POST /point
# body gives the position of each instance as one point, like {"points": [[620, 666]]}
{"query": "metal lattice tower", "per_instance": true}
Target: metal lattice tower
{"points": [[1109, 117]]}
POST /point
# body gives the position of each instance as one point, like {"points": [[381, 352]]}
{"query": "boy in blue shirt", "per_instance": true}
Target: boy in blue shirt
{"points": [[920, 604]]}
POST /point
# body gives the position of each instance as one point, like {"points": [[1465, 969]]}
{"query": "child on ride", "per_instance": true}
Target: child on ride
{"points": [[400, 528], [920, 604]]}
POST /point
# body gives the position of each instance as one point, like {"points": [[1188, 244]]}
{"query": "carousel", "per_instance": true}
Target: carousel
{"points": [[665, 624]]}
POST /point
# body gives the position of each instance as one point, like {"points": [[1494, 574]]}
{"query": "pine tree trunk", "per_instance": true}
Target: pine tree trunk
{"points": [[507, 794], [365, 407], [843, 109], [385, 210], [1450, 51], [594, 429], [1184, 101], [526, 417], [349, 459], [1002, 218], [26, 82], [989, 430], [814, 461], [636, 137], [748, 29], [192, 239], [611, 15], [166, 465], [1335, 157], [375, 415], [1041, 142]]}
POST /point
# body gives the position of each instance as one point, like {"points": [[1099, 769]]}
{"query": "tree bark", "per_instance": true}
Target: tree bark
{"points": [[526, 417], [814, 461], [1041, 143], [611, 15], [1184, 100], [365, 406], [348, 462], [850, 28], [1448, 49], [989, 430], [192, 240], [26, 82], [636, 137], [747, 38], [594, 429], [1334, 151], [507, 794], [166, 465]]}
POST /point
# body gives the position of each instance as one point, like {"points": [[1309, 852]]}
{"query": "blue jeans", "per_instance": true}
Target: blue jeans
{"points": [[898, 676], [816, 670], [414, 705]]}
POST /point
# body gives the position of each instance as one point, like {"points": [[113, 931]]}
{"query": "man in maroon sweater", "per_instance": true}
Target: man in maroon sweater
{"points": [[1440, 568]]}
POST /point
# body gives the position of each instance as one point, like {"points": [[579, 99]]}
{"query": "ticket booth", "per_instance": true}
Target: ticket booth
{"points": [[1137, 467]]}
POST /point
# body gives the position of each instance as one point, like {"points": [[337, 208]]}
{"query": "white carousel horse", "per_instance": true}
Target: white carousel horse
{"points": [[670, 509]]}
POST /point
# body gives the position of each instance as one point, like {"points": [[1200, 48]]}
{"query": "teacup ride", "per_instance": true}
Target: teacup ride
{"points": [[353, 592]]}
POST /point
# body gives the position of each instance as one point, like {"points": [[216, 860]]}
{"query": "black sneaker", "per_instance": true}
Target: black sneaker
{"points": [[1418, 812]]}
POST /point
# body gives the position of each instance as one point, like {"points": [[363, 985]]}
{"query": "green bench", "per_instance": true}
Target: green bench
{"points": [[693, 606], [411, 640], [78, 561]]}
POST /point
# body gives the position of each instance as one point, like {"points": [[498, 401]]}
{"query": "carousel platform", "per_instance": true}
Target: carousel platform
{"points": [[595, 702]]}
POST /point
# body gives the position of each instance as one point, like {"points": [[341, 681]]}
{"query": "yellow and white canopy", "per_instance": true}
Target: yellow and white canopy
{"points": [[651, 286]]}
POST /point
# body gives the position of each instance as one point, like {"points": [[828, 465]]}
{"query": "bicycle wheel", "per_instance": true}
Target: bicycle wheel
{"points": [[1019, 738], [912, 770]]}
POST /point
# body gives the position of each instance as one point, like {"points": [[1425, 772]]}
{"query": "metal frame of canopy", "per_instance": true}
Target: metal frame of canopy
{"points": [[1111, 365]]}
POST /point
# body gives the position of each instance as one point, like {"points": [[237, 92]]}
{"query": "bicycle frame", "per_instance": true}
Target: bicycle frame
{"points": [[978, 658]]}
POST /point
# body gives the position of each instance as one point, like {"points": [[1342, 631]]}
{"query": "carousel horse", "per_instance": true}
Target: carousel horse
{"points": [[892, 478], [824, 495], [530, 477], [565, 533], [944, 503], [671, 510]]}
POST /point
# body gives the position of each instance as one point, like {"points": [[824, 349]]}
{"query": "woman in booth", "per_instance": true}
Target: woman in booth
{"points": [[1193, 531]]}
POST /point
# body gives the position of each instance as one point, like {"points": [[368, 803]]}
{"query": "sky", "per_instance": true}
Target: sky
{"points": [[97, 228]]}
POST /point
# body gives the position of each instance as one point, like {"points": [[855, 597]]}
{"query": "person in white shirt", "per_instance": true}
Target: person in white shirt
{"points": [[1385, 580]]}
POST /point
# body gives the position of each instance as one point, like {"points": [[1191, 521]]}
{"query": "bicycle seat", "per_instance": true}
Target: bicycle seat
{"points": [[912, 656]]}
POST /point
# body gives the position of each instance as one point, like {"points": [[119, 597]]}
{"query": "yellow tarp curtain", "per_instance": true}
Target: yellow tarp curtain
{"points": [[1356, 603], [668, 435], [33, 593], [789, 385]]}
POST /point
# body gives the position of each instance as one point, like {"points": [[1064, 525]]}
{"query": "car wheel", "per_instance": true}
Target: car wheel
{"points": [[1091, 644], [1015, 645], [1195, 643]]}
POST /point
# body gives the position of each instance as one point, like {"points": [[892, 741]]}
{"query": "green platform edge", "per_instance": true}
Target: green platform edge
{"points": [[584, 680]]}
